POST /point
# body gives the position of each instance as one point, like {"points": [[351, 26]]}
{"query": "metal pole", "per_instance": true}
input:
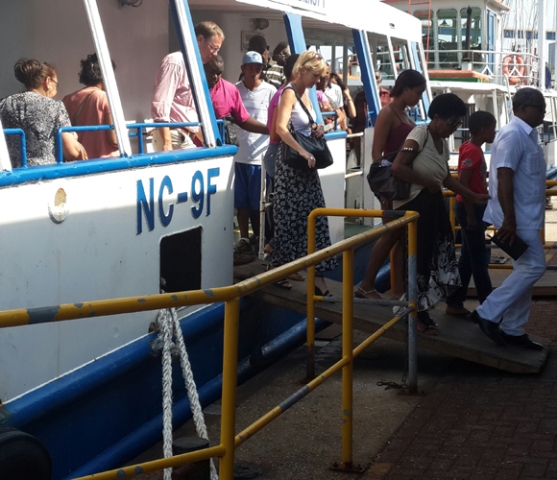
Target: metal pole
{"points": [[109, 79], [262, 212], [413, 299], [541, 42], [5, 162], [229, 381], [555, 53], [347, 352]]}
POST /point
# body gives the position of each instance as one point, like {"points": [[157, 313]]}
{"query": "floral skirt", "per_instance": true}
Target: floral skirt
{"points": [[437, 267], [296, 194]]}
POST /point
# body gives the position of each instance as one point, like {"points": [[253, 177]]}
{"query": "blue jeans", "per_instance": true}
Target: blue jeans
{"points": [[474, 257]]}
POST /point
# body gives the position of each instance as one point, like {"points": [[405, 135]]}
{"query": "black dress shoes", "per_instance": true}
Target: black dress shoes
{"points": [[489, 328], [522, 341]]}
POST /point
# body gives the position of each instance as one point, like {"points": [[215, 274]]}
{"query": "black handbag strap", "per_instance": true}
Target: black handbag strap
{"points": [[311, 120]]}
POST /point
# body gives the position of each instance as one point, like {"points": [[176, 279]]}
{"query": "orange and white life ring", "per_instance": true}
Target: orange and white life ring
{"points": [[514, 68]]}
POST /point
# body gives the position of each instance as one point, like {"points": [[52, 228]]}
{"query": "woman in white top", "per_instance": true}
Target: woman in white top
{"points": [[298, 192], [423, 162]]}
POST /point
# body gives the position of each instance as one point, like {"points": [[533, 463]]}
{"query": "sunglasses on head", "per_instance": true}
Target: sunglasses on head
{"points": [[315, 57]]}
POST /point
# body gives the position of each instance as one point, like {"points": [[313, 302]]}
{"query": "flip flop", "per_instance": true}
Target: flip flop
{"points": [[361, 293], [284, 284]]}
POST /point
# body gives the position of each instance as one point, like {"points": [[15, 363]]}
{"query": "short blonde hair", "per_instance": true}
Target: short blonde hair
{"points": [[309, 61]]}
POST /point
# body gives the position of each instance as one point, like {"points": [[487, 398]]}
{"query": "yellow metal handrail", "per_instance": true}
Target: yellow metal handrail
{"points": [[231, 296]]}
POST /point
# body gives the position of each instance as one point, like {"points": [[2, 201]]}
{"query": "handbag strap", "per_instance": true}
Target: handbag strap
{"points": [[311, 120]]}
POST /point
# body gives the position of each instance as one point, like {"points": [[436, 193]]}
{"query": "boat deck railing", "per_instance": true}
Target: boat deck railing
{"points": [[518, 67], [231, 296]]}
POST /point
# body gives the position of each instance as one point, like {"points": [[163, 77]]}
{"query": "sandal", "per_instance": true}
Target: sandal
{"points": [[427, 329], [284, 284], [426, 325], [361, 293]]}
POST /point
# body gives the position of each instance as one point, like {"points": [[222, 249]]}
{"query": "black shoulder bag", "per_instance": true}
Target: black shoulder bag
{"points": [[230, 135], [316, 146], [386, 185]]}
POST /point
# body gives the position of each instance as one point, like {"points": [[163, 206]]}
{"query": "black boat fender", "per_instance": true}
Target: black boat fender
{"points": [[22, 457]]}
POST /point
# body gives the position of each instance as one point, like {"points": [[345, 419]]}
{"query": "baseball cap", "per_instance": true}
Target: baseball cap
{"points": [[252, 57]]}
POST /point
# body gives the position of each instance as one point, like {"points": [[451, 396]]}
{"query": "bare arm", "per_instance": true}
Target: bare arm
{"points": [[350, 107], [464, 178], [505, 194], [252, 125], [111, 133], [166, 139], [402, 167], [453, 184], [71, 148], [380, 133]]}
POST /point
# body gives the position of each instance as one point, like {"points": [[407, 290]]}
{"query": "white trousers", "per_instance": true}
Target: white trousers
{"points": [[510, 303]]}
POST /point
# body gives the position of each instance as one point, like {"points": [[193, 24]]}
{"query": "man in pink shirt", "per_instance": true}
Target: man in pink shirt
{"points": [[172, 96], [226, 98], [227, 102]]}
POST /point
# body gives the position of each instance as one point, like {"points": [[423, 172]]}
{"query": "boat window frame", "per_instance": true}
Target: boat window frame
{"points": [[127, 160]]}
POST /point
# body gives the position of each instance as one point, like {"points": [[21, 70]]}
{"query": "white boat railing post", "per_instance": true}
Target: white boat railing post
{"points": [[5, 163], [109, 79], [192, 59], [541, 42], [392, 57]]}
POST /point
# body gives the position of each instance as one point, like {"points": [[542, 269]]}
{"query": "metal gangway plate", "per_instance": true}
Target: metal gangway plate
{"points": [[458, 337]]}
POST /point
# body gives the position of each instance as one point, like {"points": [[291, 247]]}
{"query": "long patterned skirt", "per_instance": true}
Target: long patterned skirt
{"points": [[437, 267], [296, 194]]}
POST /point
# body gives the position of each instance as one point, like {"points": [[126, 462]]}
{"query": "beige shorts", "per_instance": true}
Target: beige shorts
{"points": [[180, 141]]}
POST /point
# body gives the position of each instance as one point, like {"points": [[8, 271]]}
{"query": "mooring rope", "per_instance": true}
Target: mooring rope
{"points": [[169, 326]]}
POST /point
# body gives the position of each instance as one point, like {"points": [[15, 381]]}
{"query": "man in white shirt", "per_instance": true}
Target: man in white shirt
{"points": [[256, 96], [517, 209]]}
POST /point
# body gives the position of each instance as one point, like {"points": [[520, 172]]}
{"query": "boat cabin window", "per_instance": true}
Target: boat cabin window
{"points": [[475, 30], [389, 63], [447, 39]]}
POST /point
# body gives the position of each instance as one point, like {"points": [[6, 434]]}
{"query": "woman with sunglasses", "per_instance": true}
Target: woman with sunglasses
{"points": [[39, 116], [423, 162], [298, 192], [391, 129]]}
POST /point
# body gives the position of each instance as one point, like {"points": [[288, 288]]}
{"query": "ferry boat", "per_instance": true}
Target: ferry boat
{"points": [[88, 391], [471, 53]]}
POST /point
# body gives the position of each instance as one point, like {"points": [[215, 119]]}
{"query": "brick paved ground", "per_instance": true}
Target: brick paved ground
{"points": [[481, 424]]}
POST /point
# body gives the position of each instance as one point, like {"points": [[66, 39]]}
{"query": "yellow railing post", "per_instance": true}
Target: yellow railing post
{"points": [[347, 353], [310, 339], [229, 382]]}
